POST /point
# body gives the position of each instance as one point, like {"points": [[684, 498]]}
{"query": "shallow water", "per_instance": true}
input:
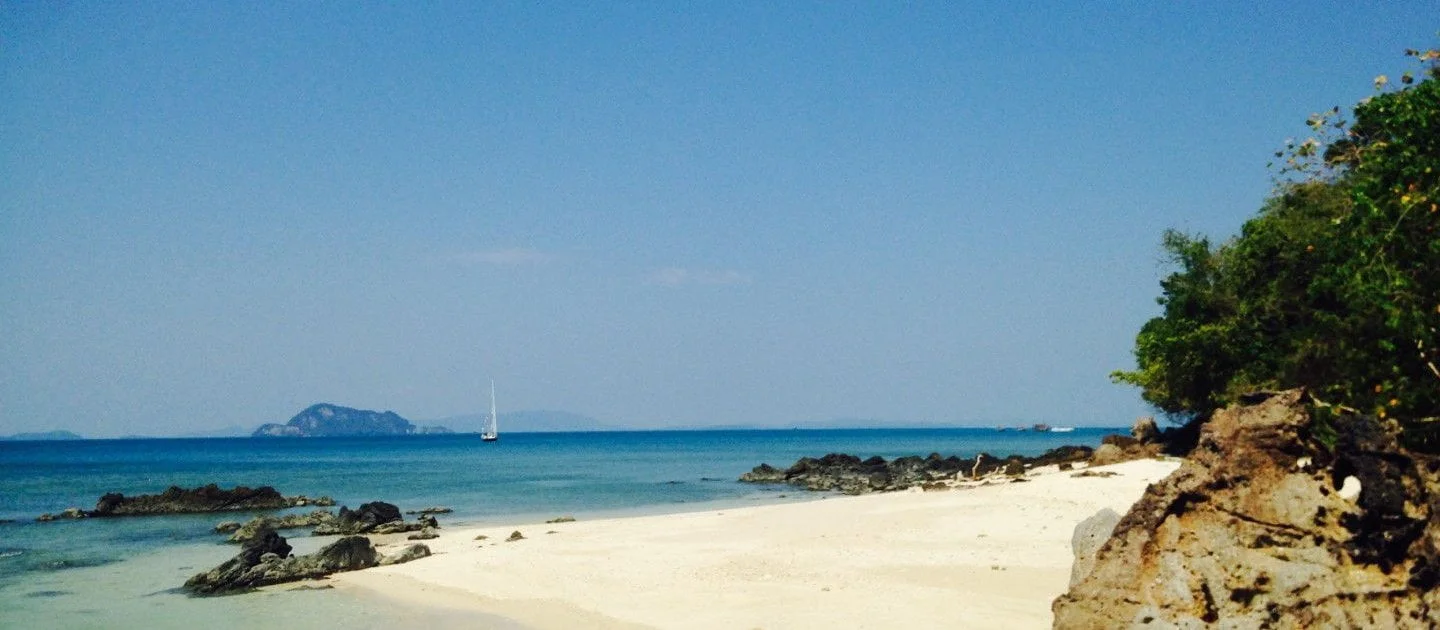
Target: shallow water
{"points": [[122, 572]]}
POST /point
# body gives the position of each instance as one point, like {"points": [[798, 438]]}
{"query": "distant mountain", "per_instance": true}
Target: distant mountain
{"points": [[532, 421], [327, 420], [43, 435]]}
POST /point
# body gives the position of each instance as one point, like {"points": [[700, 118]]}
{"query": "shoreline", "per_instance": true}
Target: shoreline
{"points": [[988, 555]]}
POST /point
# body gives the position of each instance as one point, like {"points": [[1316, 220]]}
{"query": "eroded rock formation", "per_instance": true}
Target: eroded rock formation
{"points": [[1266, 526], [266, 560]]}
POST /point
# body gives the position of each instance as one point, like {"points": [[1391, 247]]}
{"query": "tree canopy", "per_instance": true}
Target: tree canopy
{"points": [[1334, 285]]}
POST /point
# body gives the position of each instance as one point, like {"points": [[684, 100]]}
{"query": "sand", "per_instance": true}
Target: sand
{"points": [[991, 556]]}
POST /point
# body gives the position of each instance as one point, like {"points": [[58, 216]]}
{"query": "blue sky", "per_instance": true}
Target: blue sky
{"points": [[657, 214]]}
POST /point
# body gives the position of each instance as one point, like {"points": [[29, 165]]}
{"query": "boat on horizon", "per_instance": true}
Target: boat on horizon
{"points": [[491, 432], [1061, 429]]}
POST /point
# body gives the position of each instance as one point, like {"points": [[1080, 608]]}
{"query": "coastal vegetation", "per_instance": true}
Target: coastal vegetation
{"points": [[1334, 285]]}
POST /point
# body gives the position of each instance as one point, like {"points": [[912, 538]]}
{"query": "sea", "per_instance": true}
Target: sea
{"points": [[125, 572]]}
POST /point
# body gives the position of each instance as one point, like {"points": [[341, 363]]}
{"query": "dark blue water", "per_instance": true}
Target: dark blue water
{"points": [[523, 475]]}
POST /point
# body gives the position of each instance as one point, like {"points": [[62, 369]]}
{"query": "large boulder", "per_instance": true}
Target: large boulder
{"points": [[1254, 530], [412, 551], [347, 554], [1087, 539], [1123, 448], [1145, 430]]}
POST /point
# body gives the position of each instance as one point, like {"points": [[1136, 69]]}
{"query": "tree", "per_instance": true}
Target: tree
{"points": [[1334, 285]]}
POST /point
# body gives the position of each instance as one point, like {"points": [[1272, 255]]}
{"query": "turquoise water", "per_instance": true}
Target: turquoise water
{"points": [[60, 567]]}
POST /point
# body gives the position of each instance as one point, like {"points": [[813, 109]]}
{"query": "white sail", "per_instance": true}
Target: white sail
{"points": [[492, 427]]}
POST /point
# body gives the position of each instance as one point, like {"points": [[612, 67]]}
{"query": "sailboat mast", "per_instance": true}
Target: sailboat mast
{"points": [[494, 421]]}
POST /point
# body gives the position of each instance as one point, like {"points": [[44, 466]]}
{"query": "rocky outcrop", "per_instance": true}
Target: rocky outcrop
{"points": [[177, 500], [1267, 526], [1145, 430], [1145, 441], [210, 498], [302, 501], [360, 520], [258, 524], [851, 475], [229, 575], [372, 518], [326, 420], [266, 560]]}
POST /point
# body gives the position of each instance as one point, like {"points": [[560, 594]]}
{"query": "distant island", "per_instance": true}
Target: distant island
{"points": [[43, 435], [327, 420]]}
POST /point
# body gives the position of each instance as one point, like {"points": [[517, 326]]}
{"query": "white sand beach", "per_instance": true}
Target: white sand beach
{"points": [[991, 556]]}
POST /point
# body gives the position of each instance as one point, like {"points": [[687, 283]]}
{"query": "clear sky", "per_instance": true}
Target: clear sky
{"points": [[657, 214]]}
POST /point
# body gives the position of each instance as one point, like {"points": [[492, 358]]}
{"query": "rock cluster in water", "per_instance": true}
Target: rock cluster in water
{"points": [[1267, 526], [177, 500], [371, 518], [851, 475], [265, 560], [251, 528], [377, 517]]}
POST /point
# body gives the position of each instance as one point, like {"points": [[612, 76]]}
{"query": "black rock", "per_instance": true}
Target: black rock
{"points": [[230, 575], [764, 473], [851, 475], [365, 519], [177, 500], [265, 560]]}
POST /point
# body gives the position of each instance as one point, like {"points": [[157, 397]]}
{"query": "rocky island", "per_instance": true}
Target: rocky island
{"points": [[327, 420]]}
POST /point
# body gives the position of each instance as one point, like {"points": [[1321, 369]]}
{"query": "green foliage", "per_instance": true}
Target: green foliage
{"points": [[1334, 285]]}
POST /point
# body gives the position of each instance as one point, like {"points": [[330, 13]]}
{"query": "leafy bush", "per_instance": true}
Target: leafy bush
{"points": [[1334, 285]]}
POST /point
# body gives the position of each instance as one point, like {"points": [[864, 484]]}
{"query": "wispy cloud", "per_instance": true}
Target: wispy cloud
{"points": [[510, 257], [678, 276]]}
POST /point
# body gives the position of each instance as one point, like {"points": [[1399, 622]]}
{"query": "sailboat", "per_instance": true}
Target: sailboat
{"points": [[491, 432]]}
